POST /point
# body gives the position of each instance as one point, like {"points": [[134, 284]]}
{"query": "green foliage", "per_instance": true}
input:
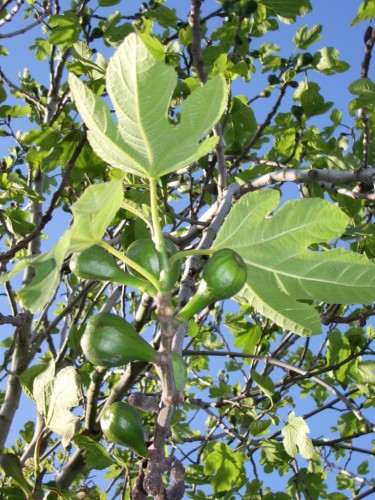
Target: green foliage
{"points": [[152, 146], [186, 131], [224, 467], [280, 273], [295, 438]]}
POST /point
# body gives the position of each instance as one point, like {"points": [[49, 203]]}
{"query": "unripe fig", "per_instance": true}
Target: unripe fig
{"points": [[249, 8], [273, 79], [297, 112], [144, 253], [223, 276], [122, 425], [109, 340], [303, 60], [228, 5], [95, 263]]}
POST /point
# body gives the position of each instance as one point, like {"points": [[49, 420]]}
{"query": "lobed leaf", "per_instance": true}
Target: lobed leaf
{"points": [[145, 142], [304, 37], [54, 395], [282, 272], [295, 437]]}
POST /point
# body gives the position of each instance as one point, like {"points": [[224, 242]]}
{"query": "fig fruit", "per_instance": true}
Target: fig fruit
{"points": [[223, 276], [144, 253], [122, 425], [95, 263], [109, 340]]}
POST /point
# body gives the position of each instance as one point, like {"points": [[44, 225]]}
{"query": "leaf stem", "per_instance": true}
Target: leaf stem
{"points": [[158, 239]]}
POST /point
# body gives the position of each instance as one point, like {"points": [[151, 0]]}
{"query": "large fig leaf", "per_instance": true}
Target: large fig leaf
{"points": [[145, 142], [282, 271]]}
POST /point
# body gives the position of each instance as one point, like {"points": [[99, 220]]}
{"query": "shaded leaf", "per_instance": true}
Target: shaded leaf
{"points": [[144, 142], [36, 294], [264, 382], [260, 427], [311, 100], [241, 124], [96, 456]]}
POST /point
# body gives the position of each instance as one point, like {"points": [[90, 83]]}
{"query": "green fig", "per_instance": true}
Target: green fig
{"points": [[303, 60], [249, 8], [109, 340], [144, 253], [122, 425], [223, 276], [95, 263]]}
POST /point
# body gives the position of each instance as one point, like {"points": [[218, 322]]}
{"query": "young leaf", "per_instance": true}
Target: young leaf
{"points": [[264, 382], [366, 11], [288, 8], [144, 142], [282, 271], [295, 437], [304, 37], [93, 213]]}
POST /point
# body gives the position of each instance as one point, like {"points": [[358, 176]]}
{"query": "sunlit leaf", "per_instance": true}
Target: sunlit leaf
{"points": [[145, 142], [305, 37], [295, 438], [288, 8], [281, 271], [366, 11], [93, 213]]}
